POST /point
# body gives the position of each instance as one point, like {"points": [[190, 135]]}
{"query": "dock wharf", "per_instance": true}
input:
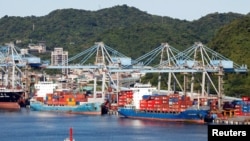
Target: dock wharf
{"points": [[237, 120], [112, 112]]}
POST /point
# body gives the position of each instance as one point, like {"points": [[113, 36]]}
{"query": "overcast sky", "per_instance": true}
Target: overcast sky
{"points": [[180, 9]]}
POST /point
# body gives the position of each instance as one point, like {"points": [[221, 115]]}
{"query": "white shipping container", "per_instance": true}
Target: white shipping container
{"points": [[225, 64]]}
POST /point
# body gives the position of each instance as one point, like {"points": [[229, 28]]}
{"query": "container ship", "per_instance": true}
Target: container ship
{"points": [[171, 107], [145, 102], [140, 103], [67, 101]]}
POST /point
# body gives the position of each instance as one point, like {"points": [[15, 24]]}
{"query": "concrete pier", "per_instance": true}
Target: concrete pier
{"points": [[112, 112], [239, 120]]}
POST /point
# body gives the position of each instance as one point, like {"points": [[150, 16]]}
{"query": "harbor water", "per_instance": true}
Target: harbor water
{"points": [[27, 125]]}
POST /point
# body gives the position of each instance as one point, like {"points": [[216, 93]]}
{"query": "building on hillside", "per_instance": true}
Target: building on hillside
{"points": [[39, 48], [59, 58]]}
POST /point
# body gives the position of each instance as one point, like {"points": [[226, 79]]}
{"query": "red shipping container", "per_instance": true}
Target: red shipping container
{"points": [[164, 109], [158, 106], [49, 102], [122, 100], [158, 101], [159, 109], [122, 97], [143, 108], [165, 97], [183, 106], [143, 101], [238, 109], [177, 110], [143, 105], [129, 96], [245, 98], [189, 103], [238, 113], [151, 101], [121, 103], [165, 101], [165, 105], [176, 106], [150, 105], [150, 108], [62, 103]]}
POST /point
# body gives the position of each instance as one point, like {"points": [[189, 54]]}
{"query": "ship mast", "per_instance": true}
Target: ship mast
{"points": [[13, 66]]}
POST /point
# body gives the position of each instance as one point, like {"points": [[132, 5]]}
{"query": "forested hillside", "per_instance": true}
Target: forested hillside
{"points": [[233, 41], [122, 28]]}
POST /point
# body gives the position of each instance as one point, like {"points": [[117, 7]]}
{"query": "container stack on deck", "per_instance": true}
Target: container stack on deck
{"points": [[237, 108], [242, 107], [165, 103], [246, 105], [63, 98], [125, 97]]}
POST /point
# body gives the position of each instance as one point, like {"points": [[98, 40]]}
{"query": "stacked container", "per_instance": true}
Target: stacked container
{"points": [[246, 105], [238, 107], [125, 97], [80, 98], [213, 103], [65, 98], [165, 103]]}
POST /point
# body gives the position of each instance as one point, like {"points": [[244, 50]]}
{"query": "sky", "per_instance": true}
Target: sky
{"points": [[179, 9]]}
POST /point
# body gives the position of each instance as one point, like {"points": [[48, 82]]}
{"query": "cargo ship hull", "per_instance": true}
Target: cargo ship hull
{"points": [[11, 99], [84, 108], [194, 116], [9, 106]]}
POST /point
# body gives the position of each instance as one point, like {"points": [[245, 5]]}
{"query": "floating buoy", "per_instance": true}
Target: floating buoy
{"points": [[70, 135]]}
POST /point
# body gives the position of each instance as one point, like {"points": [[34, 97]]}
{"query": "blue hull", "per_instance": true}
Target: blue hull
{"points": [[85, 108], [195, 116]]}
